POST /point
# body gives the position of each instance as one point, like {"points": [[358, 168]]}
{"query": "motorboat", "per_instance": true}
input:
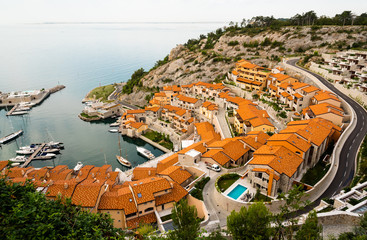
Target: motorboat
{"points": [[113, 130], [15, 164], [19, 112], [123, 161], [32, 146], [22, 108], [25, 151], [145, 152], [44, 156], [51, 150], [18, 159], [78, 166], [115, 124], [10, 137]]}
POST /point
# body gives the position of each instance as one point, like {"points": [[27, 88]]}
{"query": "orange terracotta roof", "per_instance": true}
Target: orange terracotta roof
{"points": [[173, 88], [310, 89], [274, 88], [199, 146], [175, 195], [144, 189], [137, 125], [301, 144], [64, 188], [153, 109], [38, 174], [297, 95], [122, 199], [206, 131], [137, 111], [279, 158], [184, 98], [84, 172], [160, 94], [143, 172], [298, 85], [248, 81], [324, 95], [62, 175], [234, 72], [56, 170], [280, 76], [176, 173], [217, 155], [3, 164], [146, 219], [86, 193], [324, 108], [17, 172], [167, 162]]}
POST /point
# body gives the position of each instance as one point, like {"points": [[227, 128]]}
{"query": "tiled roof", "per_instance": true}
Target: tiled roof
{"points": [[297, 95], [310, 89], [160, 94], [137, 111], [56, 170], [279, 158], [38, 174], [292, 139], [260, 136], [86, 193], [167, 162], [100, 172], [206, 131], [324, 108], [84, 172], [122, 199], [143, 172], [137, 125], [63, 187], [146, 219], [217, 155], [187, 99], [17, 172], [176, 173], [324, 95], [153, 109], [298, 85], [62, 175], [176, 194], [210, 106], [199, 146], [248, 81], [173, 88], [144, 189], [3, 164]]}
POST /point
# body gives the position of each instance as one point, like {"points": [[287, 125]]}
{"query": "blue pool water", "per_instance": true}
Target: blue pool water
{"points": [[237, 191]]}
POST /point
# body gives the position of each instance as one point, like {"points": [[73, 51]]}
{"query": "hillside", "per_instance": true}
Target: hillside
{"points": [[211, 57]]}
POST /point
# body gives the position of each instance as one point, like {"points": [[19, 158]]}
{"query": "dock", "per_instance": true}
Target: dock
{"points": [[12, 110], [29, 160]]}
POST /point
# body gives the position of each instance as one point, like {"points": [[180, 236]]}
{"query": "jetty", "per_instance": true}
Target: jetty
{"points": [[34, 154], [25, 99]]}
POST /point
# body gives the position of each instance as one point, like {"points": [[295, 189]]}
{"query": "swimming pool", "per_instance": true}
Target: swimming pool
{"points": [[237, 191]]}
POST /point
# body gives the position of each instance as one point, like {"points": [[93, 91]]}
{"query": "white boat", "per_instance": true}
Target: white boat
{"points": [[44, 156], [19, 113], [25, 151], [145, 152], [10, 137], [115, 124], [78, 166], [51, 150], [15, 164], [22, 108], [123, 161], [18, 159], [32, 146], [113, 130]]}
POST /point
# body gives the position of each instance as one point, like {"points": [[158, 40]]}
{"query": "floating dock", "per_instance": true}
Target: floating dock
{"points": [[34, 154]]}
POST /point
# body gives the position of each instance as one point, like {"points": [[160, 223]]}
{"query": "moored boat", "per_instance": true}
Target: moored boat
{"points": [[115, 124], [113, 130], [123, 161], [10, 137], [18, 159], [44, 156], [19, 112], [78, 166], [145, 152], [27, 151]]}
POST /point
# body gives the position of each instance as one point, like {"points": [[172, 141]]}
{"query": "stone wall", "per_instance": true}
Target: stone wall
{"points": [[335, 223]]}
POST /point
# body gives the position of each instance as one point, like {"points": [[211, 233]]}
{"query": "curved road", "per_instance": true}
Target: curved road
{"points": [[349, 151]]}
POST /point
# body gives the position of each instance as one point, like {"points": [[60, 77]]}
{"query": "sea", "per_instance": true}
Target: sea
{"points": [[80, 56]]}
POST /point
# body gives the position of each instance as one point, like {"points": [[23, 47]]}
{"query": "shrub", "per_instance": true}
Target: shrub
{"points": [[233, 43]]}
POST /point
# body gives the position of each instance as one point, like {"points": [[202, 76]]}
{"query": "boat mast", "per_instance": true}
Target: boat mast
{"points": [[118, 136]]}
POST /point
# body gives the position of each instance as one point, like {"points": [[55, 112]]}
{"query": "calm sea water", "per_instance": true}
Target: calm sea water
{"points": [[81, 57]]}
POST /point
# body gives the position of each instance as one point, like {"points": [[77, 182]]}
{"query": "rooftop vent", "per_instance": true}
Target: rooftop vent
{"points": [[139, 195], [130, 199]]}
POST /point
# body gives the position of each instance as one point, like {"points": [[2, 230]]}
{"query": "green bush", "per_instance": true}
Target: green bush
{"points": [[233, 43]]}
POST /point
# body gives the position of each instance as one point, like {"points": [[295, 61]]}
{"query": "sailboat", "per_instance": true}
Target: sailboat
{"points": [[119, 158]]}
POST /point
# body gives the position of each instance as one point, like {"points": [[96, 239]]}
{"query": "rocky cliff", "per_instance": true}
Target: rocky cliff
{"points": [[201, 60]]}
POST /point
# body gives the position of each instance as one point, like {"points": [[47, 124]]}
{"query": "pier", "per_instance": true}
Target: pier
{"points": [[32, 157], [12, 110]]}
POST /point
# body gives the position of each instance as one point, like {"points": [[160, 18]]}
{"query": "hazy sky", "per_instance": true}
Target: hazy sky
{"points": [[36, 11]]}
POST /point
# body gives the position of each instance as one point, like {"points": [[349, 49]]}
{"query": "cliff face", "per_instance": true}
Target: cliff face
{"points": [[265, 48]]}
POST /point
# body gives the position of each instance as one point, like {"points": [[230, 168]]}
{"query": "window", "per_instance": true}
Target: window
{"points": [[118, 212], [140, 212], [131, 215], [149, 209]]}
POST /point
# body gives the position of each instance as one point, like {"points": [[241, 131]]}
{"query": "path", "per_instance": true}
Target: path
{"points": [[223, 123]]}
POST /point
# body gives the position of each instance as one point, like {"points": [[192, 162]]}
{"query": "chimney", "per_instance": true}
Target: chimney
{"points": [[22, 172], [329, 110], [149, 173], [263, 115], [80, 172], [65, 185], [256, 139]]}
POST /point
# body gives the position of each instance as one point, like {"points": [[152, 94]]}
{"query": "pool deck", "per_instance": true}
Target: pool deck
{"points": [[244, 182]]}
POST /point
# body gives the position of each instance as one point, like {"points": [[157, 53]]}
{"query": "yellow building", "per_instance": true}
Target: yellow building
{"points": [[250, 76]]}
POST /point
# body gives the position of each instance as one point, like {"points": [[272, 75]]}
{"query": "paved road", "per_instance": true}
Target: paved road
{"points": [[349, 151], [223, 123]]}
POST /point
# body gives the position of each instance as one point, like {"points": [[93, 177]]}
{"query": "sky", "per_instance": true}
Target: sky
{"points": [[40, 11]]}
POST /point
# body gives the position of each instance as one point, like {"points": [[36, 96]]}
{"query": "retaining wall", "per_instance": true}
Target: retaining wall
{"points": [[154, 144]]}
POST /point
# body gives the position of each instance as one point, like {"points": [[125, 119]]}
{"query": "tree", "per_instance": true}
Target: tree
{"points": [[310, 230], [27, 214], [185, 220], [251, 223], [293, 202]]}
